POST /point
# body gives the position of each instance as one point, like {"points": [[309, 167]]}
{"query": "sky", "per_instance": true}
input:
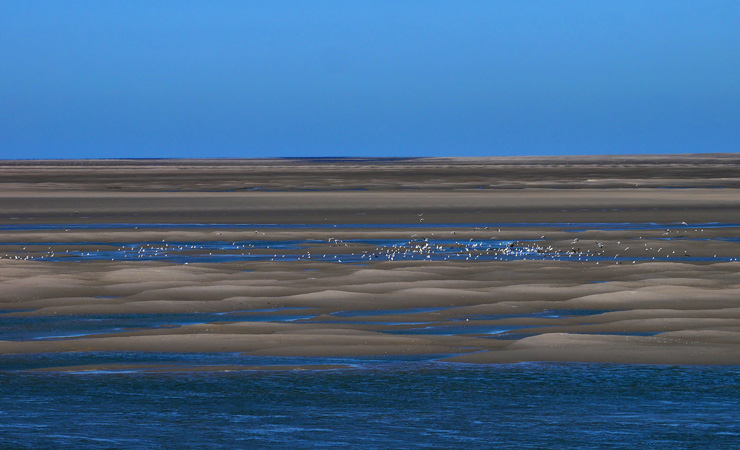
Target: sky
{"points": [[279, 78]]}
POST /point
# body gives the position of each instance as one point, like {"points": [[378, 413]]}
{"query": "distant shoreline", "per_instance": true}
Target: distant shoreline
{"points": [[574, 157]]}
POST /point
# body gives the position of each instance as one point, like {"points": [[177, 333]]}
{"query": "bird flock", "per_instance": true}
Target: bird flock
{"points": [[333, 249]]}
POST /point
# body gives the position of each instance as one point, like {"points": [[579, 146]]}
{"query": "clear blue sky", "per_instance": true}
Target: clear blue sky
{"points": [[144, 78]]}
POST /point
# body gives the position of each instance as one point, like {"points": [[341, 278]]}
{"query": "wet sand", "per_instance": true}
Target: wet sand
{"points": [[594, 292]]}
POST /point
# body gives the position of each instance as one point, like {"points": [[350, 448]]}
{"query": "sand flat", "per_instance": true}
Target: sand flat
{"points": [[613, 259]]}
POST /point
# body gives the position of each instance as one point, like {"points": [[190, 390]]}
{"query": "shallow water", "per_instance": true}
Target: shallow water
{"points": [[400, 405], [352, 251], [290, 250], [356, 251], [20, 328]]}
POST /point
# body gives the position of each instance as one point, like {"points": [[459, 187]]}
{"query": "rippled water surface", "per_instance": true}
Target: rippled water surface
{"points": [[399, 405]]}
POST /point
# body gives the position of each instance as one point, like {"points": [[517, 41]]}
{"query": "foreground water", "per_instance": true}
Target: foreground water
{"points": [[392, 405]]}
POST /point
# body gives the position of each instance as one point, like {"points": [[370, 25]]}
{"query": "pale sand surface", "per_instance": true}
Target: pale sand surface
{"points": [[656, 312], [693, 308]]}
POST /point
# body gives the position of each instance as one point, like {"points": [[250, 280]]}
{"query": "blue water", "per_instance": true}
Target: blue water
{"points": [[20, 328], [352, 251], [402, 405]]}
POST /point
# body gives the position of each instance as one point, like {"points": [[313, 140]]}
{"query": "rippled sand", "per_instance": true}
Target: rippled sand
{"points": [[650, 294]]}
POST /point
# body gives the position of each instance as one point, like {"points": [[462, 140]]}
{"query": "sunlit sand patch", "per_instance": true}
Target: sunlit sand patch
{"points": [[385, 307]]}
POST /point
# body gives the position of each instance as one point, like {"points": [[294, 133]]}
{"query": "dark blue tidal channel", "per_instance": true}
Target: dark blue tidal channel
{"points": [[411, 404], [365, 250], [21, 328], [65, 326]]}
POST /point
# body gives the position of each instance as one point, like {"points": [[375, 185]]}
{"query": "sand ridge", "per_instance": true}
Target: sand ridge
{"points": [[591, 290], [570, 317]]}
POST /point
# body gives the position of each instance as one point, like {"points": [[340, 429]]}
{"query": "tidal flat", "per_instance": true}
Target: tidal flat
{"points": [[609, 259], [372, 269]]}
